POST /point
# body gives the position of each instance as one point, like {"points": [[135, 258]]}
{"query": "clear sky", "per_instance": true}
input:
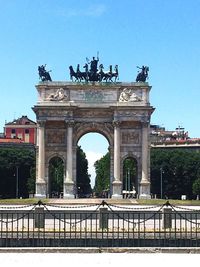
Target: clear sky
{"points": [[162, 34]]}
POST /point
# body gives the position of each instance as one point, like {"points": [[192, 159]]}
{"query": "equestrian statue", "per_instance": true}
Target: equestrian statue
{"points": [[43, 74], [143, 74]]}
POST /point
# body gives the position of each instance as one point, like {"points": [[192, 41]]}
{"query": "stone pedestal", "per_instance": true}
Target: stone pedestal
{"points": [[68, 190], [167, 218], [117, 189], [40, 189], [144, 190]]}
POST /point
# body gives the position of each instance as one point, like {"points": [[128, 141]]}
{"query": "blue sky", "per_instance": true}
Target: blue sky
{"points": [[162, 34]]}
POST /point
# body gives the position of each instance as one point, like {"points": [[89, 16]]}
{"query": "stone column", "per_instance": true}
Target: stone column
{"points": [[40, 179], [68, 182], [144, 183], [117, 184]]}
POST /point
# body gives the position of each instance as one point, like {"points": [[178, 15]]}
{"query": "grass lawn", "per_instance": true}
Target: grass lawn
{"points": [[171, 201], [138, 201]]}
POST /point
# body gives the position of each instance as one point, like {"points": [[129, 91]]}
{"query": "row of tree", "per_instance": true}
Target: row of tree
{"points": [[174, 172], [18, 173], [17, 170], [179, 170]]}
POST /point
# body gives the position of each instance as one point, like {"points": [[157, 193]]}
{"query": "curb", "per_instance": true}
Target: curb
{"points": [[173, 250]]}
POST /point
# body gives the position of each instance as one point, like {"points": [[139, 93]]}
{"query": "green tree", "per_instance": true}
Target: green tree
{"points": [[15, 166], [102, 168], [82, 176], [56, 175], [31, 181], [129, 173], [179, 169], [196, 187]]}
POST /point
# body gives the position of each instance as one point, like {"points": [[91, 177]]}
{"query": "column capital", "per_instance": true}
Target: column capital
{"points": [[145, 124], [41, 123], [70, 123], [116, 123]]}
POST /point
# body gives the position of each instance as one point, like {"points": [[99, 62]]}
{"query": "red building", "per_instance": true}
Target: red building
{"points": [[23, 129]]}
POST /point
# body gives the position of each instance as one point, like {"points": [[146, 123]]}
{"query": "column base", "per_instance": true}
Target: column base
{"points": [[68, 190], [40, 191], [117, 190], [145, 190]]}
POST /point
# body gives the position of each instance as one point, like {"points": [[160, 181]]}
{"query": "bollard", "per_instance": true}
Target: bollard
{"points": [[39, 217], [103, 218], [167, 218]]}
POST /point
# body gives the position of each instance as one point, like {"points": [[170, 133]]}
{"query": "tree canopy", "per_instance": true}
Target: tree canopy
{"points": [[179, 169], [17, 172], [82, 176], [102, 168], [16, 165]]}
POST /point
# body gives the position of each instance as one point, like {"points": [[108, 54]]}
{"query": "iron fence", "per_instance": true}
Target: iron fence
{"points": [[104, 225]]}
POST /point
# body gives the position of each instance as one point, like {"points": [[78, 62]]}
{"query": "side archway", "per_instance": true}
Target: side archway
{"points": [[130, 177]]}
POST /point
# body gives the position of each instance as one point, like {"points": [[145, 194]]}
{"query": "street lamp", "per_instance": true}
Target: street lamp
{"points": [[161, 182], [17, 181]]}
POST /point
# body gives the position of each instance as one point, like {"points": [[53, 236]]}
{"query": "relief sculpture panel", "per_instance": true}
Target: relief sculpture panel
{"points": [[130, 137], [55, 136]]}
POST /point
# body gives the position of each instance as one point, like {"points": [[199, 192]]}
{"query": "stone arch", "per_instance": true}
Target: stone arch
{"points": [[56, 154], [101, 128]]}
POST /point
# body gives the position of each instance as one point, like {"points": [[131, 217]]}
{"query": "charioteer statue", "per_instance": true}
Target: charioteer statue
{"points": [[143, 74], [43, 74], [93, 69], [95, 73]]}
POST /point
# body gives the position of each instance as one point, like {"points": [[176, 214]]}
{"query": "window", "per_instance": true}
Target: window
{"points": [[26, 131]]}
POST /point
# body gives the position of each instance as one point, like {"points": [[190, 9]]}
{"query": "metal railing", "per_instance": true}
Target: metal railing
{"points": [[104, 225]]}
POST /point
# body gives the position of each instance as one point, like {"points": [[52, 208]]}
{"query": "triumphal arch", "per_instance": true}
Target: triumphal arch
{"points": [[119, 111]]}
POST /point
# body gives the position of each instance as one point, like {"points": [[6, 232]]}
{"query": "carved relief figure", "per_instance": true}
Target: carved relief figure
{"points": [[128, 96], [58, 96]]}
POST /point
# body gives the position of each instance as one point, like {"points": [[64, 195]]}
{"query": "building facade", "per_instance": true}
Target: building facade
{"points": [[22, 128]]}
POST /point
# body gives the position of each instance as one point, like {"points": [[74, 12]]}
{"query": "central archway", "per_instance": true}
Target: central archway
{"points": [[96, 147]]}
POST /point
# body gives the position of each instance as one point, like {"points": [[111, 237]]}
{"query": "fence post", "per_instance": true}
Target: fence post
{"points": [[103, 218], [166, 217], [39, 217]]}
